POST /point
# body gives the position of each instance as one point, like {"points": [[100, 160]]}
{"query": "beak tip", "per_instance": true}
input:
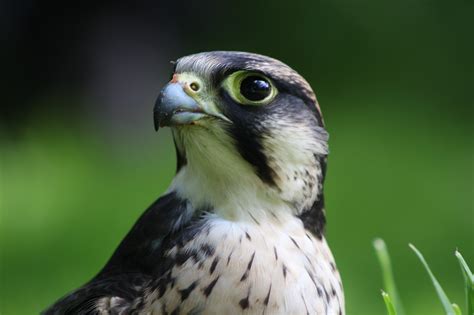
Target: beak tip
{"points": [[156, 120]]}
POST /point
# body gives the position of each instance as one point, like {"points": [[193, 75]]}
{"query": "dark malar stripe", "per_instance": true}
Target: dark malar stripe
{"points": [[250, 148], [314, 219], [247, 133]]}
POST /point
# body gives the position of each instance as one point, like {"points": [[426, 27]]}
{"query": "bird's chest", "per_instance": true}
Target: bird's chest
{"points": [[238, 268]]}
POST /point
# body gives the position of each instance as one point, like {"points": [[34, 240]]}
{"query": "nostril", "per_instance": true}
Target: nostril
{"points": [[194, 86]]}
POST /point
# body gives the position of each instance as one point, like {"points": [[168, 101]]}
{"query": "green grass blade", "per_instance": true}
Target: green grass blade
{"points": [[469, 280], [388, 303], [457, 309], [387, 274], [448, 307]]}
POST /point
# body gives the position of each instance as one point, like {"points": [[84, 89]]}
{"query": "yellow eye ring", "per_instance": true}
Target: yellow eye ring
{"points": [[250, 88]]}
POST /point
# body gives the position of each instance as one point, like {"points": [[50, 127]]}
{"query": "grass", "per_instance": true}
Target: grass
{"points": [[469, 283], [392, 301], [388, 303], [391, 297]]}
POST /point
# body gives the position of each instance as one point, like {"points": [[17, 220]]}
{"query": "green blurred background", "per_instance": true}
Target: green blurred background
{"points": [[80, 160]]}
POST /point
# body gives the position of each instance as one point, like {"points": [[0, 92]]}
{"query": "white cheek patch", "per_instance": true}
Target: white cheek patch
{"points": [[292, 151]]}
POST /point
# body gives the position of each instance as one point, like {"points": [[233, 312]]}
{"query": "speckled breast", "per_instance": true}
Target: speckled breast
{"points": [[246, 268]]}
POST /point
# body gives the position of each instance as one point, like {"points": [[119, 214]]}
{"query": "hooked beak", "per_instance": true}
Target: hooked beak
{"points": [[174, 107]]}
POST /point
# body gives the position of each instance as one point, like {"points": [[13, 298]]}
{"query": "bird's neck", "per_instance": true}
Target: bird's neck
{"points": [[212, 175], [235, 197], [233, 191]]}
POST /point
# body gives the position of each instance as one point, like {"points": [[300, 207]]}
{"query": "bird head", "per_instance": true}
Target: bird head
{"points": [[249, 134]]}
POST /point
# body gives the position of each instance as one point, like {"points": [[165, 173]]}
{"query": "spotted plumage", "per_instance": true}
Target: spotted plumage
{"points": [[241, 228]]}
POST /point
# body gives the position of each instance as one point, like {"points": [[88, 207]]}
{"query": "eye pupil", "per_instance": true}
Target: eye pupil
{"points": [[255, 88]]}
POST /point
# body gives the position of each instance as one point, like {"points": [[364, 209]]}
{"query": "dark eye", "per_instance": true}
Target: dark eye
{"points": [[250, 88], [255, 88]]}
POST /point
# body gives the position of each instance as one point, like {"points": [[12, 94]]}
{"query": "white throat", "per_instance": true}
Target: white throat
{"points": [[216, 177]]}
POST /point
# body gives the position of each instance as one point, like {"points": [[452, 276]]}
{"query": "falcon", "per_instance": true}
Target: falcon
{"points": [[240, 229]]}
